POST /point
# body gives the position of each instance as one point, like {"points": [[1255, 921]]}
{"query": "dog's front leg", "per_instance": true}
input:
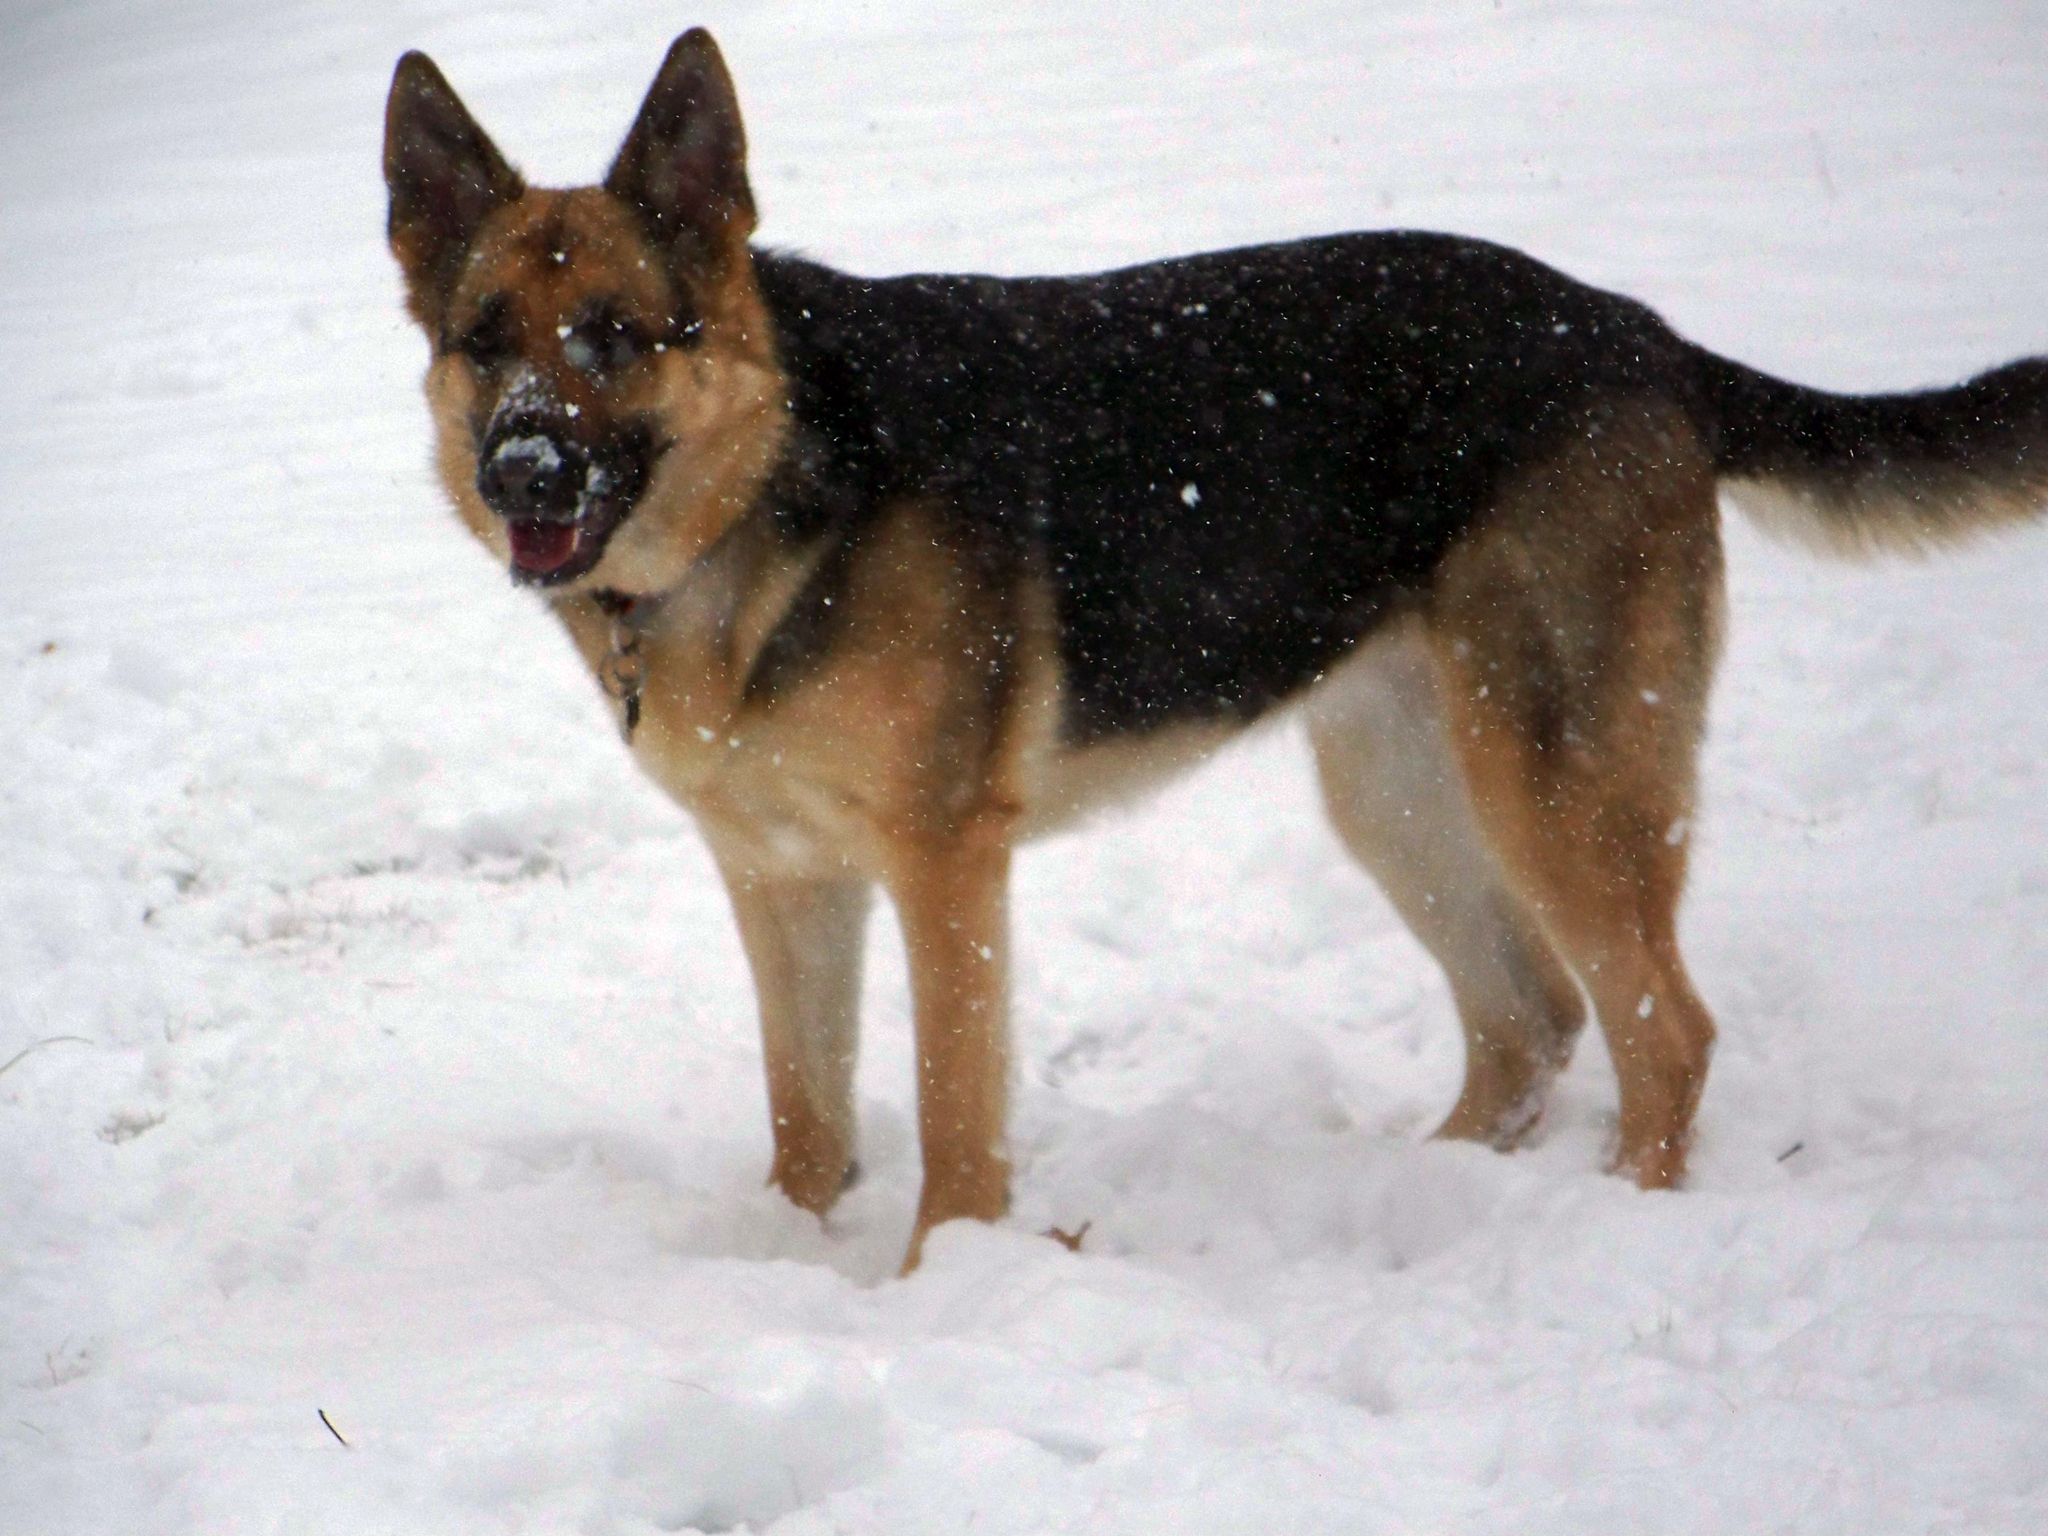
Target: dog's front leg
{"points": [[803, 939], [952, 898]]}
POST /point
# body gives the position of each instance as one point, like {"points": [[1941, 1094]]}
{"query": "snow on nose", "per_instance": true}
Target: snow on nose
{"points": [[529, 476]]}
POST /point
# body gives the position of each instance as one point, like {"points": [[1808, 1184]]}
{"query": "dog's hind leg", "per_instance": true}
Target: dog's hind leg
{"points": [[1575, 635], [803, 940], [1396, 795]]}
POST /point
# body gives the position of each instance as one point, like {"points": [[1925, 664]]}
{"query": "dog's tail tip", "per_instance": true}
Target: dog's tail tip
{"points": [[1874, 517], [1859, 476]]}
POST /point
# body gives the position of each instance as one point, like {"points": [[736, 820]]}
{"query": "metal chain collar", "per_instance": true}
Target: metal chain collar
{"points": [[623, 672]]}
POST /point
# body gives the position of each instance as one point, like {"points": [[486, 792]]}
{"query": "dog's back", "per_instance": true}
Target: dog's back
{"points": [[1228, 466]]}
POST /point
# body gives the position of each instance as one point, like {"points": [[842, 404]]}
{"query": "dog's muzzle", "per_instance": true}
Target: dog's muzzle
{"points": [[533, 475], [540, 485], [560, 500]]}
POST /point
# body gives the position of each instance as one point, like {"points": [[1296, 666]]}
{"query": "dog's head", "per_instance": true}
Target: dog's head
{"points": [[604, 382]]}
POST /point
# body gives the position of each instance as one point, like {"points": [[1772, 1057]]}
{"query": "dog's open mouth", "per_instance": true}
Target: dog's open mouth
{"points": [[546, 554], [539, 548], [549, 551], [561, 504]]}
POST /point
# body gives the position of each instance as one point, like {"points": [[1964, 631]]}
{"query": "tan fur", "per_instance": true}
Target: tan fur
{"points": [[723, 402], [889, 764], [1517, 858], [1397, 797], [803, 941], [1513, 758], [1575, 637], [1904, 513]]}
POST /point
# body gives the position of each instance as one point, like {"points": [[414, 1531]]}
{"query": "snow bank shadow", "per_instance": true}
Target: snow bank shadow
{"points": [[510, 1162], [694, 1199], [690, 1198], [1266, 1158], [744, 1455], [733, 1439], [1260, 1162]]}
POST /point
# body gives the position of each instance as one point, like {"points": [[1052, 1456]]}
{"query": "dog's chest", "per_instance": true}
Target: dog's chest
{"points": [[814, 782], [786, 800]]}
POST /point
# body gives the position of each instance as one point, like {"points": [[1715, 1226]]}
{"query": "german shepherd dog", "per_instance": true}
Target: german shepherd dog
{"points": [[887, 576]]}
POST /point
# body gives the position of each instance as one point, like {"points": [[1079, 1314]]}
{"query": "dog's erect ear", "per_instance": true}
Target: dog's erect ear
{"points": [[684, 165], [445, 177]]}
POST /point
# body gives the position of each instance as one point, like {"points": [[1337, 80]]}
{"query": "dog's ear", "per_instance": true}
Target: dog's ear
{"points": [[445, 178], [684, 165]]}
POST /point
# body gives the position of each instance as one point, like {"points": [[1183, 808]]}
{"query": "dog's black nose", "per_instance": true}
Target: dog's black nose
{"points": [[533, 477]]}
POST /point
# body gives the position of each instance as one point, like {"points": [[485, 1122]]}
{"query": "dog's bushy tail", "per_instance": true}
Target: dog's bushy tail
{"points": [[1867, 474]]}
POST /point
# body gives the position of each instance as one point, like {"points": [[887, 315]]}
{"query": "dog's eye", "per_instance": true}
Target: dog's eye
{"points": [[602, 346], [486, 343]]}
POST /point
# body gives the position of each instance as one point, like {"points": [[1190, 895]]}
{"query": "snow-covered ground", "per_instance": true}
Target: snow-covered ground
{"points": [[401, 1062]]}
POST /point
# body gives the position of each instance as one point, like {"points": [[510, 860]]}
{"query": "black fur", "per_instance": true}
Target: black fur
{"points": [[1343, 409], [1983, 428], [1908, 471]]}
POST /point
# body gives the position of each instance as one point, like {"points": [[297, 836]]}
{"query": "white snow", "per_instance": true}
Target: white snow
{"points": [[541, 451], [418, 1081]]}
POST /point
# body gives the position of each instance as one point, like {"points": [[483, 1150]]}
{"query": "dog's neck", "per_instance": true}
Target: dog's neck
{"points": [[697, 643]]}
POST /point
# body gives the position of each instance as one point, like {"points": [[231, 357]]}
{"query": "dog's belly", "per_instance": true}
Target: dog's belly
{"points": [[1071, 783], [800, 789], [1074, 781], [796, 806], [892, 733]]}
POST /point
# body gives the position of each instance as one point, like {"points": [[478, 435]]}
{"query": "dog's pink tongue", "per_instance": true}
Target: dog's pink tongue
{"points": [[542, 547]]}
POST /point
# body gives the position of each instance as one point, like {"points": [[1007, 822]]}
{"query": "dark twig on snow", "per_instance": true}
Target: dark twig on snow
{"points": [[1786, 1155], [1071, 1241], [28, 1050]]}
